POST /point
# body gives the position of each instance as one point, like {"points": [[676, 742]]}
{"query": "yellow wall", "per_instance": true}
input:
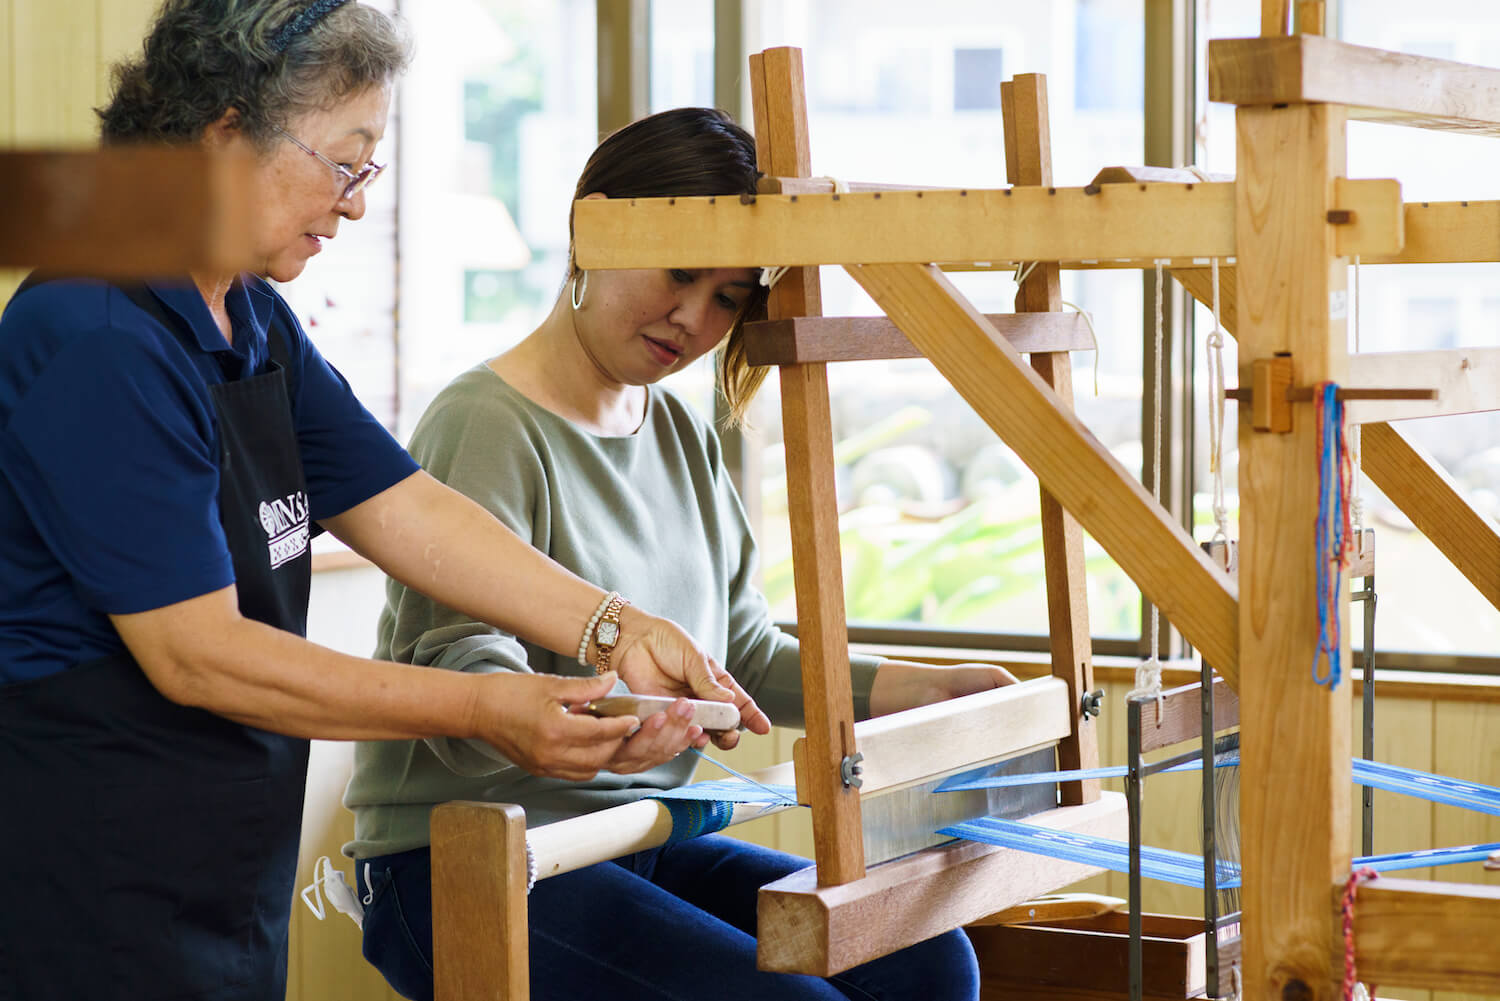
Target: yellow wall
{"points": [[54, 70]]}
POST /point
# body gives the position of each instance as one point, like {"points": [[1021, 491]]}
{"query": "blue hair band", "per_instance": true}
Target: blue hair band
{"points": [[304, 22]]}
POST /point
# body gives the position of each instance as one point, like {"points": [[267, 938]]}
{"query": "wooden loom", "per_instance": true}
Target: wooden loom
{"points": [[838, 913], [1290, 220]]}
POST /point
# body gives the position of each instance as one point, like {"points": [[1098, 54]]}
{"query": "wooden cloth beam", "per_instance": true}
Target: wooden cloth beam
{"points": [[1102, 494], [944, 737], [1133, 222], [1391, 87], [822, 930]]}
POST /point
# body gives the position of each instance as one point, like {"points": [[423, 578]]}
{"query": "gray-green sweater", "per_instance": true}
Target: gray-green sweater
{"points": [[652, 515]]}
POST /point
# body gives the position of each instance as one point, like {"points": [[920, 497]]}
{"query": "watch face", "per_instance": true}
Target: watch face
{"points": [[608, 634]]}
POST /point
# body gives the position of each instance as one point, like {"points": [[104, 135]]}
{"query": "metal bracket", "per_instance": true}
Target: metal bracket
{"points": [[1093, 703], [850, 770]]}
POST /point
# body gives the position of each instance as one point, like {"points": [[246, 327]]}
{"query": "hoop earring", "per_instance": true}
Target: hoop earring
{"points": [[576, 292]]}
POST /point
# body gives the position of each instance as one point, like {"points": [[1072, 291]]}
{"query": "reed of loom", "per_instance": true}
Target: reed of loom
{"points": [[1291, 220]]}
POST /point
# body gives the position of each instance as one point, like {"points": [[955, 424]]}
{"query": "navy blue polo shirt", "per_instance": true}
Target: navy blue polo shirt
{"points": [[109, 479]]}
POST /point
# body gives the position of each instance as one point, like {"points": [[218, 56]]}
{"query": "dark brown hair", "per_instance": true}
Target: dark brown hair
{"points": [[681, 153]]}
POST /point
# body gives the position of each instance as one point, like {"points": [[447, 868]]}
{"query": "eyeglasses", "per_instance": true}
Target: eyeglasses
{"points": [[357, 182]]}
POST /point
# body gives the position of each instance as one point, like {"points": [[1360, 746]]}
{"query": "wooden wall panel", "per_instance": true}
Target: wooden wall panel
{"points": [[122, 29], [1468, 748], [55, 61]]}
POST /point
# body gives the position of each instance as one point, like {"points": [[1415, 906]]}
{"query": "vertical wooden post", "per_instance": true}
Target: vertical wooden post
{"points": [[479, 935], [782, 149], [1273, 17], [1295, 734], [1311, 15], [1028, 161]]}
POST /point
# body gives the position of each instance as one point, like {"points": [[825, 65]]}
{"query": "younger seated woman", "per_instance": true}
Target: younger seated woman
{"points": [[568, 439]]}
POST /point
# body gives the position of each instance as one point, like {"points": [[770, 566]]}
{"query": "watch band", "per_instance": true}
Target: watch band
{"points": [[607, 632]]}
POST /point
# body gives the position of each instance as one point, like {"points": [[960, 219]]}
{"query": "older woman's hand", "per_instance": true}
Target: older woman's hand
{"points": [[655, 657], [901, 684], [536, 721]]}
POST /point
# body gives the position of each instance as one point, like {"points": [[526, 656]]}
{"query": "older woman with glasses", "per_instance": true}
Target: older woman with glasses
{"points": [[166, 451]]}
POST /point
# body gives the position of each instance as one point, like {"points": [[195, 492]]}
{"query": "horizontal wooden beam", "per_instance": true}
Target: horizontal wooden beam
{"points": [[805, 928], [1447, 233], [1376, 85], [1467, 381], [804, 339], [128, 212], [944, 737], [1120, 222], [1427, 495], [1415, 933], [827, 186], [1105, 497], [1178, 715]]}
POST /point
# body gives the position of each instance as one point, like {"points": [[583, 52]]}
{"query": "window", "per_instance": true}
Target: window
{"points": [[974, 74], [500, 116], [938, 518]]}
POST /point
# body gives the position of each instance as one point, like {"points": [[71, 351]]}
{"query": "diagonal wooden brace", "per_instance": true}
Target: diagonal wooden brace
{"points": [[1070, 462]]}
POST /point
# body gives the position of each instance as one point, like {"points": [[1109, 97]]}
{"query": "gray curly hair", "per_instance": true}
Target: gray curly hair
{"points": [[204, 57]]}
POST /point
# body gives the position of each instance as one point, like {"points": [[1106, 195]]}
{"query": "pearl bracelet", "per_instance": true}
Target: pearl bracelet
{"points": [[588, 630]]}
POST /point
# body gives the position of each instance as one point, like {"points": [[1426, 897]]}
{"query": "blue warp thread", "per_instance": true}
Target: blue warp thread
{"points": [[304, 21], [690, 818], [1332, 541]]}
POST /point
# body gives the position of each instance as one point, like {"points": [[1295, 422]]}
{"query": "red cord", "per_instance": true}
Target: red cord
{"points": [[1351, 885]]}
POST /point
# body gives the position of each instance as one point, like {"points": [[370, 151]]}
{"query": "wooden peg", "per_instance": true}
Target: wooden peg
{"points": [[1270, 410]]}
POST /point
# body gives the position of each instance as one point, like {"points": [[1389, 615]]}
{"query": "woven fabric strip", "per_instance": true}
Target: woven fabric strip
{"points": [[694, 818]]}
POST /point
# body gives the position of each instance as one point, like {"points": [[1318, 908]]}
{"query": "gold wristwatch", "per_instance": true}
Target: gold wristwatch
{"points": [[607, 633]]}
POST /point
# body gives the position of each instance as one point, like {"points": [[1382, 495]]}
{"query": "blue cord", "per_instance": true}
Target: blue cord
{"points": [[1330, 533]]}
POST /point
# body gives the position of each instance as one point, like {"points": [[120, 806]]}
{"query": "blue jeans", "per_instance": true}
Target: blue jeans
{"points": [[676, 923]]}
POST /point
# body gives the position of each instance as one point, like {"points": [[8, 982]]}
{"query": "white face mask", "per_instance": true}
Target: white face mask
{"points": [[340, 894]]}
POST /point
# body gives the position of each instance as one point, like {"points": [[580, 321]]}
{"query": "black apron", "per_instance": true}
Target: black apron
{"points": [[150, 849]]}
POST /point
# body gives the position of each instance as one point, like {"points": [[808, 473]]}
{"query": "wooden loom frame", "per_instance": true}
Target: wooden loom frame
{"points": [[1291, 220], [834, 915]]}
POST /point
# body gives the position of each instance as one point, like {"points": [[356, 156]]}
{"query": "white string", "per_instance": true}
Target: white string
{"points": [[1216, 394], [791, 800], [1356, 502], [1088, 318], [770, 276], [1148, 674]]}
